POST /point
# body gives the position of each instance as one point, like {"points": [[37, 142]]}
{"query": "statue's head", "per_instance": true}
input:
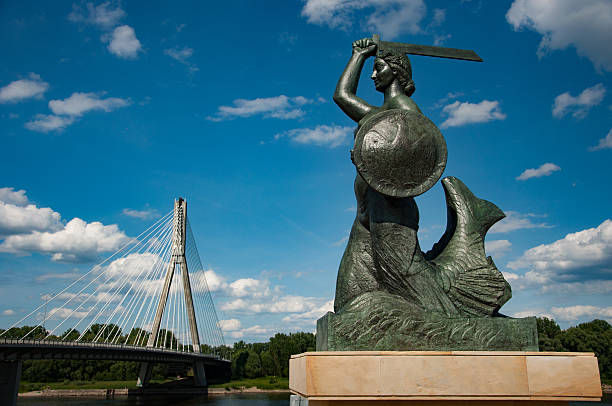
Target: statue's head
{"points": [[390, 65]]}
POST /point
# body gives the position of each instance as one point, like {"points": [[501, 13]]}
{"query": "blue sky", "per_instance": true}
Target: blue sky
{"points": [[110, 110]]}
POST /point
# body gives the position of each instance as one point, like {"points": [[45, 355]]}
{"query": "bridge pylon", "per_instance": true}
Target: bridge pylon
{"points": [[179, 236]]}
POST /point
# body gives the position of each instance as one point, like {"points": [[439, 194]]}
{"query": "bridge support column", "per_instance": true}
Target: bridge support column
{"points": [[145, 374], [10, 375], [199, 374]]}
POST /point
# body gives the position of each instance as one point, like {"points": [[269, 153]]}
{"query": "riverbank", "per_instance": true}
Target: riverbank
{"points": [[112, 393]]}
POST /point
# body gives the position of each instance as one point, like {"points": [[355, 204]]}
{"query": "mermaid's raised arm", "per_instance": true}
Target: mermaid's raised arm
{"points": [[345, 95]]}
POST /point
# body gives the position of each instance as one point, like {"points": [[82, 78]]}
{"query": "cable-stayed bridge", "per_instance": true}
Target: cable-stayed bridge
{"points": [[147, 302]]}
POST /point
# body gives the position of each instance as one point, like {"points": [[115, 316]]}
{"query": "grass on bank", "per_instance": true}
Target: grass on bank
{"points": [[264, 382], [37, 386]]}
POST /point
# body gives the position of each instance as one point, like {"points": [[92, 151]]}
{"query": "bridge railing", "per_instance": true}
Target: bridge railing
{"points": [[59, 343]]}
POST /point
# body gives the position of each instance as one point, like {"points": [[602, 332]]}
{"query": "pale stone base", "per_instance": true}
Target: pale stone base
{"points": [[437, 377]]}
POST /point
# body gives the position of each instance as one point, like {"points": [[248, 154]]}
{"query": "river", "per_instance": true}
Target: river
{"points": [[234, 399]]}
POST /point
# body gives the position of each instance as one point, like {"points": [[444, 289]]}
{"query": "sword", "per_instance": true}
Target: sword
{"points": [[427, 50]]}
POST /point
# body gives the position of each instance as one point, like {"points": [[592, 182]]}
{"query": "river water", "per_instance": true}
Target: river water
{"points": [[234, 399]]}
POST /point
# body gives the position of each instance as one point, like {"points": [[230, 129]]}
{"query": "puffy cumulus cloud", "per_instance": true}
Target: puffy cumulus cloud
{"points": [[517, 221], [45, 123], [250, 287], [27, 219], [141, 214], [546, 169], [585, 25], [322, 135], [214, 281], [462, 113], [573, 313], [579, 105], [79, 103], [282, 304], [12, 196], [123, 42], [230, 324], [579, 262], [19, 216], [22, 89], [604, 143], [497, 247], [77, 241], [105, 15], [282, 107], [388, 17]]}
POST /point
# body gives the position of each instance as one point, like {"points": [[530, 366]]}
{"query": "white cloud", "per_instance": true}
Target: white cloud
{"points": [[313, 314], [604, 143], [22, 89], [27, 219], [77, 241], [79, 103], [590, 247], [67, 109], [256, 330], [497, 247], [105, 15], [123, 43], [141, 214], [544, 170], [578, 105], [46, 123], [585, 25], [533, 312], [573, 313], [60, 313], [250, 287], [8, 312], [283, 304], [214, 281], [18, 216], [182, 55], [323, 135], [461, 113], [230, 325], [282, 107], [516, 221], [12, 196], [66, 275], [390, 18], [579, 263]]}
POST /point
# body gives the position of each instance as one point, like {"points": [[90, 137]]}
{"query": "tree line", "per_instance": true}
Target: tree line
{"points": [[271, 358]]}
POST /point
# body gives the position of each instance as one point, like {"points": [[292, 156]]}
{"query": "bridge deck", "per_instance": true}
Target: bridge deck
{"points": [[34, 349]]}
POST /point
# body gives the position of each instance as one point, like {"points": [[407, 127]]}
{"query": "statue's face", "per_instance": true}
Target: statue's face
{"points": [[382, 75]]}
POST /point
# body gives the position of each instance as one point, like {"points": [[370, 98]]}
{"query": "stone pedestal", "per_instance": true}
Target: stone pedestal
{"points": [[443, 377]]}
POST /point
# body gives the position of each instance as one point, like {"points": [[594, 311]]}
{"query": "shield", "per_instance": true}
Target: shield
{"points": [[400, 153]]}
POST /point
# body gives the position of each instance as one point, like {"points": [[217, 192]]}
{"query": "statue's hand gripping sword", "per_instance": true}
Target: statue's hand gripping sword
{"points": [[427, 50]]}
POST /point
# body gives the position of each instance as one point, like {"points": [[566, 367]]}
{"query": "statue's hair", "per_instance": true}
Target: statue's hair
{"points": [[400, 64]]}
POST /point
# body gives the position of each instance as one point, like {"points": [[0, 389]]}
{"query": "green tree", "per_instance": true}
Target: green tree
{"points": [[267, 363], [252, 367], [594, 336], [549, 335], [239, 360]]}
